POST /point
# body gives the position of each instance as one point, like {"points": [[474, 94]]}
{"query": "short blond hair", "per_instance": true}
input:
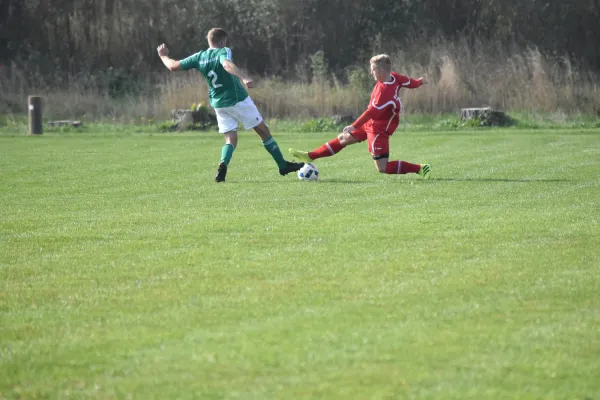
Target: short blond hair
{"points": [[382, 62], [216, 35]]}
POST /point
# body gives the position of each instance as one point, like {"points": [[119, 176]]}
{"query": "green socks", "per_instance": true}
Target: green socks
{"points": [[271, 146], [226, 153]]}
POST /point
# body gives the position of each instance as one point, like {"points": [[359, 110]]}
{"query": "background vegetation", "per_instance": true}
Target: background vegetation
{"points": [[98, 59]]}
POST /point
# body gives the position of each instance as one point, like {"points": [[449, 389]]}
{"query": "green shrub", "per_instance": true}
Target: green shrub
{"points": [[319, 125], [448, 124], [166, 126]]}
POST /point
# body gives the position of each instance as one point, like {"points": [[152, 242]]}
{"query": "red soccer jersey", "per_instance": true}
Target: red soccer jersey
{"points": [[385, 105]]}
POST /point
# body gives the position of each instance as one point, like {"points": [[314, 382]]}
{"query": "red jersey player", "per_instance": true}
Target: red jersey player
{"points": [[377, 123]]}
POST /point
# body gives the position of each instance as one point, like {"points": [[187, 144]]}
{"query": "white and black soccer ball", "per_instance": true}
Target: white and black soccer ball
{"points": [[308, 173]]}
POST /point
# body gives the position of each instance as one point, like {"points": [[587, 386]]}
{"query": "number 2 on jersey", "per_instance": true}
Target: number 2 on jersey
{"points": [[213, 75]]}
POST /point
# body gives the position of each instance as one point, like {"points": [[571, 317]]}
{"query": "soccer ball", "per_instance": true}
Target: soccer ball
{"points": [[308, 173]]}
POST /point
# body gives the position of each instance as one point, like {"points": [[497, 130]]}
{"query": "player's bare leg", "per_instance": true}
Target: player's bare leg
{"points": [[285, 167], [381, 164], [346, 139], [231, 140], [263, 131], [329, 149]]}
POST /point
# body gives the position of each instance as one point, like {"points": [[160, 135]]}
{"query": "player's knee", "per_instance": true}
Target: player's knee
{"points": [[231, 138], [262, 130], [381, 162], [346, 138]]}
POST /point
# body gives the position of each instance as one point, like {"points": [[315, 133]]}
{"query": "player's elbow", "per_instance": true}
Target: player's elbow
{"points": [[173, 65]]}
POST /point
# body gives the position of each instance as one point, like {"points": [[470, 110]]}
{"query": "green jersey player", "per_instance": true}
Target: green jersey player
{"points": [[229, 98]]}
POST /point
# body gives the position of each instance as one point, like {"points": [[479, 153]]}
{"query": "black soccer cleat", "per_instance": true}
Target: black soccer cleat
{"points": [[290, 167], [221, 172]]}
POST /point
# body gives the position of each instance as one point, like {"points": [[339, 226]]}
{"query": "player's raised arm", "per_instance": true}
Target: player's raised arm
{"points": [[163, 53], [233, 69], [410, 83], [374, 110], [370, 113]]}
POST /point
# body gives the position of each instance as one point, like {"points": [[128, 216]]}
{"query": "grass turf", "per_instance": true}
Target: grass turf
{"points": [[127, 272]]}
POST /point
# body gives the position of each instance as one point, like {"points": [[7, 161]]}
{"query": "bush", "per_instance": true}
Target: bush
{"points": [[319, 125]]}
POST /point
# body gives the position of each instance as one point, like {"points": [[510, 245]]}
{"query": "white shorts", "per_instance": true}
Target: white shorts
{"points": [[244, 112]]}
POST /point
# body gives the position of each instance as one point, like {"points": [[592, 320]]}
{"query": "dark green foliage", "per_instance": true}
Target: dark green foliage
{"points": [[115, 41]]}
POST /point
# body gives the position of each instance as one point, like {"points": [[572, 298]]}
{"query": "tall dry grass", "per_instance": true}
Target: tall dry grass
{"points": [[527, 80], [460, 75]]}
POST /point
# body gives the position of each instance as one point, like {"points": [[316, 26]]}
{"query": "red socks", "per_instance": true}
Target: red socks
{"points": [[402, 167], [393, 167], [327, 150]]}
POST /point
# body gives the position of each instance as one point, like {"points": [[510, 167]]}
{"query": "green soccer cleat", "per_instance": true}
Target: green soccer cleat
{"points": [[300, 155], [425, 171]]}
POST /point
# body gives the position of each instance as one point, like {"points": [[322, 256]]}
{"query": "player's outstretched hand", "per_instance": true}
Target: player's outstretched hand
{"points": [[162, 50], [249, 83], [423, 81]]}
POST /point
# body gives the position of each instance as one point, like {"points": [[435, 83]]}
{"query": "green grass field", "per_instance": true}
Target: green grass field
{"points": [[126, 272]]}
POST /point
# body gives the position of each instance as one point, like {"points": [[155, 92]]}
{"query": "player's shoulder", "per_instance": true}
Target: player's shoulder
{"points": [[191, 61], [197, 55], [226, 51], [399, 77]]}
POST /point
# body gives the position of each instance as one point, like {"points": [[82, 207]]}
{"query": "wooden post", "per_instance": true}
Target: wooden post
{"points": [[35, 115]]}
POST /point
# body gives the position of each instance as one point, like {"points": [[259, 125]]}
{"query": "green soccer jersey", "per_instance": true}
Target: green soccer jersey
{"points": [[224, 89]]}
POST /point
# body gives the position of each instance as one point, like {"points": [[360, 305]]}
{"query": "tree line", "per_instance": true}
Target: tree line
{"points": [[113, 41]]}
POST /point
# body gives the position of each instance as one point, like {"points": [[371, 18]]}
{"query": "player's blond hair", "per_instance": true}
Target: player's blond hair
{"points": [[216, 36], [382, 62]]}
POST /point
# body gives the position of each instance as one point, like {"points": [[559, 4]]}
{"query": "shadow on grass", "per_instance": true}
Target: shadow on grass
{"points": [[498, 180], [345, 181], [432, 180], [319, 182], [409, 181]]}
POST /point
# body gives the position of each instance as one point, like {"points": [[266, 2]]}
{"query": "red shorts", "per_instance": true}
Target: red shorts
{"points": [[379, 142]]}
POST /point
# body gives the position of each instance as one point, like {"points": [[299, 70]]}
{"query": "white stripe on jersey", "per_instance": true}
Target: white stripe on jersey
{"points": [[391, 119], [393, 110], [391, 82], [383, 106]]}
